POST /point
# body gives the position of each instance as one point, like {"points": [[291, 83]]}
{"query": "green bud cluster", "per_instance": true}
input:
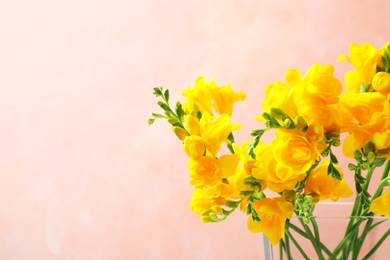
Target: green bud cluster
{"points": [[304, 205]]}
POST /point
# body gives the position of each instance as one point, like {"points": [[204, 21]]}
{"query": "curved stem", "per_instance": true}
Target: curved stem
{"points": [[377, 245], [313, 240], [297, 244]]}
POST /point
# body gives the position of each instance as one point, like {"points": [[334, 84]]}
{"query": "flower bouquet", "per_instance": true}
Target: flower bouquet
{"points": [[287, 177]]}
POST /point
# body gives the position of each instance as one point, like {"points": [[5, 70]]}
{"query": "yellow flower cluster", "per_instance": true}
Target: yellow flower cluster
{"points": [[307, 114], [210, 173]]}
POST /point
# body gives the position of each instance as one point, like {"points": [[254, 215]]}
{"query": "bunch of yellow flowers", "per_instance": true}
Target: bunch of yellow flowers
{"points": [[307, 115]]}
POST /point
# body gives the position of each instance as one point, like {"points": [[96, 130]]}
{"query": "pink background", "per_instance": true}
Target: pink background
{"points": [[82, 176]]}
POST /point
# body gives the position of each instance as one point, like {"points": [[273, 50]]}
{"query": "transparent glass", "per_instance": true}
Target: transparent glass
{"points": [[329, 225]]}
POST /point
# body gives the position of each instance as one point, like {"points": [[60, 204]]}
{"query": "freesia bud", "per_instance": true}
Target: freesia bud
{"points": [[381, 83], [180, 132]]}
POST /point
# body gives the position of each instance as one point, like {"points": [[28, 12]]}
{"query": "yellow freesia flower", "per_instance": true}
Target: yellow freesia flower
{"points": [[364, 58], [293, 150], [324, 186], [194, 146], [381, 140], [315, 94], [216, 130], [277, 96], [315, 111], [354, 141], [363, 105], [381, 205], [198, 96], [321, 83], [237, 181], [203, 199], [209, 171], [203, 96], [223, 99], [353, 82], [376, 130], [192, 124], [277, 176], [246, 160], [273, 213]]}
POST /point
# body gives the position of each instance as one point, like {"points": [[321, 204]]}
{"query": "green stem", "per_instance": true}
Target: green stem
{"points": [[296, 244], [313, 240], [315, 227], [303, 234], [281, 247], [383, 181], [347, 238], [359, 242], [368, 177], [377, 245], [287, 246], [368, 226]]}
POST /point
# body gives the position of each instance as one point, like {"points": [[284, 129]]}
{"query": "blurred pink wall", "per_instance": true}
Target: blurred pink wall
{"points": [[82, 176]]}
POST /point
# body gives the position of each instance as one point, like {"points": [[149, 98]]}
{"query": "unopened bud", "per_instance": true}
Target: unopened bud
{"points": [[278, 113], [351, 167], [217, 210], [287, 123], [371, 156], [301, 122], [205, 219], [180, 132], [333, 135], [368, 147]]}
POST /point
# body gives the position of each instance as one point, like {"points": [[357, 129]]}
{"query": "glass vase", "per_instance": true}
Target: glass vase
{"points": [[333, 234]]}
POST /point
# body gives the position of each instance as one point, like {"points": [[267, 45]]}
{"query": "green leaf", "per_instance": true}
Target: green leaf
{"points": [[164, 106], [151, 121], [158, 115], [157, 91], [257, 132], [166, 95], [230, 147], [360, 179], [379, 162], [233, 204], [179, 110], [245, 193], [325, 152], [231, 137], [254, 143], [333, 172], [333, 158], [351, 167]]}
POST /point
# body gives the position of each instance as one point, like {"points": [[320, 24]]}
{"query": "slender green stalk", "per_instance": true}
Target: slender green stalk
{"points": [[297, 244], [368, 177], [377, 245], [298, 230], [346, 245], [347, 238], [281, 247], [368, 225], [361, 239], [303, 234], [313, 240], [383, 181], [287, 248], [315, 228]]}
